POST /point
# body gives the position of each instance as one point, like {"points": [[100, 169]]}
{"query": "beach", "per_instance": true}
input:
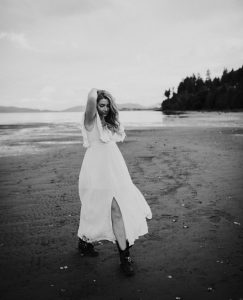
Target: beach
{"points": [[192, 179]]}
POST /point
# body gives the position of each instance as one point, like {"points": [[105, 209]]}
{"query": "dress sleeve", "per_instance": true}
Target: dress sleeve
{"points": [[120, 135]]}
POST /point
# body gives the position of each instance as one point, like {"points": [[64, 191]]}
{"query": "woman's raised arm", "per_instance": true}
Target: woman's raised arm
{"points": [[91, 110]]}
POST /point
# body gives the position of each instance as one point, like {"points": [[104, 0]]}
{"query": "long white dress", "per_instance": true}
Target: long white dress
{"points": [[104, 175]]}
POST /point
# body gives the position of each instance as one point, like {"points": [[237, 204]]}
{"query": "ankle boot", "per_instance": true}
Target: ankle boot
{"points": [[86, 249], [126, 261]]}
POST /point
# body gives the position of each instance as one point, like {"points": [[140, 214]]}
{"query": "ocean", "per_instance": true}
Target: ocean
{"points": [[30, 133]]}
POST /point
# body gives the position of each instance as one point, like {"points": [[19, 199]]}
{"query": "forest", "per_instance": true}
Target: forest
{"points": [[194, 93]]}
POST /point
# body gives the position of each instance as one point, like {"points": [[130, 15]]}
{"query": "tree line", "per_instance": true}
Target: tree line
{"points": [[220, 93]]}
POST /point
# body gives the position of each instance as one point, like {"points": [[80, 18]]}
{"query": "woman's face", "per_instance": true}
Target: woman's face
{"points": [[103, 107]]}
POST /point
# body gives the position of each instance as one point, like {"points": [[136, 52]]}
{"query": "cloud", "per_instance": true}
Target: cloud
{"points": [[18, 39], [47, 91], [73, 7], [134, 48], [14, 13]]}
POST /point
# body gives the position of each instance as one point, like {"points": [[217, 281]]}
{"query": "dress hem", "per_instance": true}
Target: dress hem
{"points": [[109, 239]]}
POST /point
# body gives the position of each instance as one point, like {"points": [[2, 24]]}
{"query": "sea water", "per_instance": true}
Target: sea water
{"points": [[131, 119], [25, 133]]}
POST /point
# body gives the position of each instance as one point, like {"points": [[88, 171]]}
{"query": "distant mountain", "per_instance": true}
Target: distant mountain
{"points": [[79, 108], [14, 109], [130, 106], [74, 109], [122, 106], [135, 106], [156, 106]]}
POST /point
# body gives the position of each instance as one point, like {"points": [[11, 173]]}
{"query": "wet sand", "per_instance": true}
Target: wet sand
{"points": [[191, 178]]}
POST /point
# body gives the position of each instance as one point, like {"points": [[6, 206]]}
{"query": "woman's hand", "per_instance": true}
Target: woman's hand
{"points": [[93, 93]]}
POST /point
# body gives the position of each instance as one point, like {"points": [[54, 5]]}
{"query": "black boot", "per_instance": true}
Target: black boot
{"points": [[126, 261], [86, 249]]}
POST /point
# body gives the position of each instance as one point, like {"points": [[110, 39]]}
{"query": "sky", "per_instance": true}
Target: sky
{"points": [[53, 52]]}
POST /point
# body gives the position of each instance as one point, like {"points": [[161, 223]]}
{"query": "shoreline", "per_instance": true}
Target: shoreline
{"points": [[148, 109], [34, 143], [192, 180]]}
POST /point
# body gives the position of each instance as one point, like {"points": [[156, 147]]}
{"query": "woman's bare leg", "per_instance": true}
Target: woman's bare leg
{"points": [[118, 225]]}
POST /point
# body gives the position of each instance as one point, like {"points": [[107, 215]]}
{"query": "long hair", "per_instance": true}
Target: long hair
{"points": [[112, 117]]}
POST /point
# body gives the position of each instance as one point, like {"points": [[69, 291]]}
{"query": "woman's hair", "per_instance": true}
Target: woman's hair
{"points": [[113, 116]]}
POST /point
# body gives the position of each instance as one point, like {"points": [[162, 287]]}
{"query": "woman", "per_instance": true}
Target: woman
{"points": [[113, 208]]}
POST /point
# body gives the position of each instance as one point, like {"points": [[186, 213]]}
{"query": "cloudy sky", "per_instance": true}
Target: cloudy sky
{"points": [[52, 52]]}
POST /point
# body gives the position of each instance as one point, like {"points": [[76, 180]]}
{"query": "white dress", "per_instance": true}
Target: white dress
{"points": [[104, 175]]}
